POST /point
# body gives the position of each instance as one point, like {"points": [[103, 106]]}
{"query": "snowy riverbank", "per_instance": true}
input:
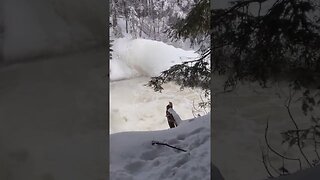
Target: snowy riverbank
{"points": [[133, 157]]}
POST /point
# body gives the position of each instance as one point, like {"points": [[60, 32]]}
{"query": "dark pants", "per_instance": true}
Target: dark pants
{"points": [[171, 124]]}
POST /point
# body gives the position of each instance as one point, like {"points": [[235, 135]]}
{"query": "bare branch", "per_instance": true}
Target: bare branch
{"points": [[297, 128], [274, 151]]}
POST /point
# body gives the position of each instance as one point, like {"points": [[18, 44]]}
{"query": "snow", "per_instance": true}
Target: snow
{"points": [[137, 117], [239, 123], [39, 28], [142, 57], [133, 157], [53, 118]]}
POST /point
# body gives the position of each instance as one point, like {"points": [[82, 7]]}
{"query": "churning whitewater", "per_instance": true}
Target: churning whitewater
{"points": [[135, 107]]}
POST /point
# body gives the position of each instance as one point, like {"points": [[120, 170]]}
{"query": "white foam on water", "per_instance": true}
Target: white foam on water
{"points": [[134, 107]]}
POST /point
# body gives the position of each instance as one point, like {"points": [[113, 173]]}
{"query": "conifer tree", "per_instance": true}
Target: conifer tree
{"points": [[247, 43], [194, 73], [283, 41]]}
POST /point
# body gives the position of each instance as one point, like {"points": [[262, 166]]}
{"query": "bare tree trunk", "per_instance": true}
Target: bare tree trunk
{"points": [[141, 23], [114, 14], [158, 26], [125, 15]]}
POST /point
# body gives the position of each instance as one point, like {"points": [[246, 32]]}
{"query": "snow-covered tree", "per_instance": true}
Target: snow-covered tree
{"points": [[195, 73], [146, 18]]}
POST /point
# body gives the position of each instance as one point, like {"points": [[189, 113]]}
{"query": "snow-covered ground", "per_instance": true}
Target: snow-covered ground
{"points": [[239, 122], [133, 157], [240, 116], [36, 28], [135, 107], [53, 118]]}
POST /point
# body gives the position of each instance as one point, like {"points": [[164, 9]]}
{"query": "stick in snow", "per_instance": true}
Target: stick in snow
{"points": [[160, 143]]}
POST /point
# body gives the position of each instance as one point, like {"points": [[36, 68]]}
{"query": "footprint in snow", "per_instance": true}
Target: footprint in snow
{"points": [[182, 160], [196, 131], [181, 137], [195, 144], [173, 141], [120, 175], [156, 163], [134, 166], [149, 155]]}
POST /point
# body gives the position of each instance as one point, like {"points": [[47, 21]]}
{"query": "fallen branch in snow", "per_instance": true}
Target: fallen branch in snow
{"points": [[160, 143]]}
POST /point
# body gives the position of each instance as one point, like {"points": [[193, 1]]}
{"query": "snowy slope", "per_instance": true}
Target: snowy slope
{"points": [[133, 157], [239, 123]]}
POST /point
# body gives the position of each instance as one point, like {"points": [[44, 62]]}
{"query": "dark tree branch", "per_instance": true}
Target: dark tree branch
{"points": [[297, 129], [165, 144], [274, 151], [265, 162]]}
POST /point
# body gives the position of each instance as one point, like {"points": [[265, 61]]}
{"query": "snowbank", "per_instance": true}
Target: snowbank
{"points": [[142, 57], [37, 28], [133, 157]]}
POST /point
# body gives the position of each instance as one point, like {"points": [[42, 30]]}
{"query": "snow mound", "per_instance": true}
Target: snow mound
{"points": [[142, 57], [133, 157]]}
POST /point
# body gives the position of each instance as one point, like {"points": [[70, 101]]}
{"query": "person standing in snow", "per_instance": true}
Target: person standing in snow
{"points": [[171, 121]]}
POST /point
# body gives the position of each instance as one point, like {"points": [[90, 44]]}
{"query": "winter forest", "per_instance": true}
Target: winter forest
{"points": [[151, 68], [191, 89], [258, 60]]}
